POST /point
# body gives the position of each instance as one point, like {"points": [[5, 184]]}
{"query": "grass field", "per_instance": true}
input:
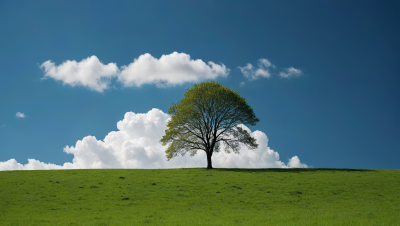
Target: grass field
{"points": [[200, 197]]}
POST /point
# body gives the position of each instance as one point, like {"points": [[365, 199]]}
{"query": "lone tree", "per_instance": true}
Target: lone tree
{"points": [[208, 115]]}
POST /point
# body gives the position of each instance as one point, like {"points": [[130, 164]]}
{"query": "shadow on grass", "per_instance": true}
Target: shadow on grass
{"points": [[291, 170]]}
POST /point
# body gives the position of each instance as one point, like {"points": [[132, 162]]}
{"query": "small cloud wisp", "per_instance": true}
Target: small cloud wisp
{"points": [[20, 115], [252, 73], [290, 72]]}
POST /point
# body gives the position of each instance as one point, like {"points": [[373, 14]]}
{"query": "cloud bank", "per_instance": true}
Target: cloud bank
{"points": [[136, 145], [20, 115], [169, 70]]}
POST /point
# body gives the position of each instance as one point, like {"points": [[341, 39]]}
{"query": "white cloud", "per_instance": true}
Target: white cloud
{"points": [[32, 164], [169, 70], [89, 72], [253, 73], [241, 84], [294, 162], [290, 72], [20, 115], [136, 145]]}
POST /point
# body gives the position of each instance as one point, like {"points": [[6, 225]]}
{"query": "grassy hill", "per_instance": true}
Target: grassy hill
{"points": [[200, 197]]}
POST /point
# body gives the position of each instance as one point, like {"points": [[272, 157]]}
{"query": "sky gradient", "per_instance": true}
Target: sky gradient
{"points": [[322, 77]]}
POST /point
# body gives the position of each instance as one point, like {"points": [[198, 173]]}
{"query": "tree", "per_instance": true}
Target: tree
{"points": [[208, 115]]}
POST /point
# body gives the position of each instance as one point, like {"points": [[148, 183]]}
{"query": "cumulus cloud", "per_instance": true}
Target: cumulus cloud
{"points": [[294, 162], [20, 115], [252, 73], [32, 164], [290, 72], [241, 84], [89, 72], [136, 145], [169, 70]]}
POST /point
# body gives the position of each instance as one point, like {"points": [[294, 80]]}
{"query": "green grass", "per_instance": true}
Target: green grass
{"points": [[200, 197]]}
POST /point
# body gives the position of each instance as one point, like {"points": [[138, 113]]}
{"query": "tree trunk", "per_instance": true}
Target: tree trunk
{"points": [[209, 164]]}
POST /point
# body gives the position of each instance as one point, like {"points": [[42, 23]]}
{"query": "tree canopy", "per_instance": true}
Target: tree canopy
{"points": [[209, 115]]}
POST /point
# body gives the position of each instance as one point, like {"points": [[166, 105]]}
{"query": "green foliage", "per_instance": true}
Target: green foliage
{"points": [[200, 197], [208, 115]]}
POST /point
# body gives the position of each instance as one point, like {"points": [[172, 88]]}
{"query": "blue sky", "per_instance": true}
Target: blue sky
{"points": [[337, 107]]}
